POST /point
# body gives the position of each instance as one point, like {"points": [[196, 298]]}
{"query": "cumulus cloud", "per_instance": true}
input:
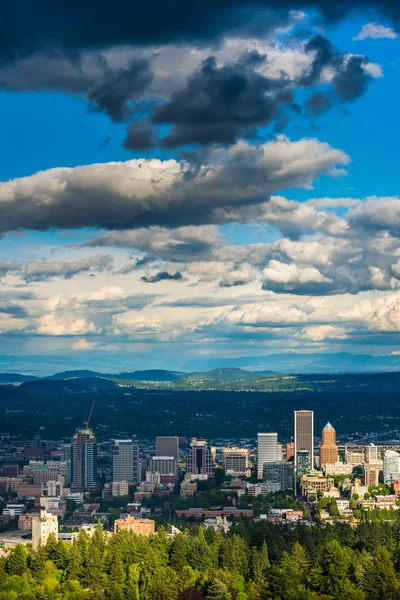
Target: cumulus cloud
{"points": [[43, 271], [154, 192], [284, 277], [375, 31]]}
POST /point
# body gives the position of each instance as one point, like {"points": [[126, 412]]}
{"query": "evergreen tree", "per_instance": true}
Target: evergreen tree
{"points": [[37, 562], [218, 590], [235, 555], [379, 578], [334, 564], [132, 583], [51, 547], [16, 561], [75, 565], [178, 552]]}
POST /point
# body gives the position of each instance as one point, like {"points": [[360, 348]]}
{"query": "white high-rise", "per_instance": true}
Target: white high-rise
{"points": [[125, 455], [42, 527], [268, 451], [391, 466]]}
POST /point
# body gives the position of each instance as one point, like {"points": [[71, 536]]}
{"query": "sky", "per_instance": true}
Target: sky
{"points": [[180, 184]]}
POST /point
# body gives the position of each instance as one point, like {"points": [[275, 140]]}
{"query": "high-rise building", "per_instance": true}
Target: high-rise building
{"points": [[268, 451], [328, 452], [279, 474], [391, 466], [304, 434], [199, 460], [43, 526], [84, 459], [165, 465], [167, 445], [125, 455], [235, 461], [10, 471]]}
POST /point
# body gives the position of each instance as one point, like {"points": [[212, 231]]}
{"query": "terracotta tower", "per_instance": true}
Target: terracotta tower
{"points": [[328, 452]]}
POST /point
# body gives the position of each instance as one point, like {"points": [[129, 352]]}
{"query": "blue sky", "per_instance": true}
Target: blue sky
{"points": [[99, 264]]}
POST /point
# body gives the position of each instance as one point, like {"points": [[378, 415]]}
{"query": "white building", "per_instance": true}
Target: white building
{"points": [[268, 451], [165, 465], [13, 510], [120, 488], [391, 466], [338, 468], [43, 526]]}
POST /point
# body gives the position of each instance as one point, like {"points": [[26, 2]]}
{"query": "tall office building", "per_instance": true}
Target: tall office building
{"points": [[43, 526], [199, 460], [328, 452], [125, 455], [279, 475], [304, 434], [167, 445], [391, 466], [268, 451], [84, 459], [235, 461], [372, 454]]}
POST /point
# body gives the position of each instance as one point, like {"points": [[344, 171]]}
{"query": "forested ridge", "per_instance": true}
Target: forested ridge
{"points": [[256, 561]]}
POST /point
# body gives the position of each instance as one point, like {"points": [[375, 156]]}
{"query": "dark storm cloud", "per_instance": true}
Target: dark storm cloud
{"points": [[351, 80], [318, 103], [139, 138], [162, 276], [115, 89], [219, 104], [27, 26]]}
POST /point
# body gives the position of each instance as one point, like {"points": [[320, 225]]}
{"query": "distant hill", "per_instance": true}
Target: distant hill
{"points": [[49, 387], [150, 375], [15, 378], [78, 374], [219, 375], [292, 362]]}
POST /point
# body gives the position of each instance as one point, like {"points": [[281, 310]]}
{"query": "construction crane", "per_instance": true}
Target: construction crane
{"points": [[86, 423]]}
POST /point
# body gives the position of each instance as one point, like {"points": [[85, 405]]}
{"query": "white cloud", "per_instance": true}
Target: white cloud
{"points": [[319, 333], [375, 31], [146, 192], [84, 345], [278, 272]]}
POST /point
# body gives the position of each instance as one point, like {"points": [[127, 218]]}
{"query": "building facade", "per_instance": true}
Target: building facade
{"points": [[43, 526], [125, 455], [304, 434], [235, 461], [391, 466], [165, 465], [268, 451], [84, 459], [167, 445], [199, 460], [138, 526], [280, 473], [328, 452]]}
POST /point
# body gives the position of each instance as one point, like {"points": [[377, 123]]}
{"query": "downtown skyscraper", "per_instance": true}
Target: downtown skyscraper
{"points": [[268, 451], [304, 434], [83, 459]]}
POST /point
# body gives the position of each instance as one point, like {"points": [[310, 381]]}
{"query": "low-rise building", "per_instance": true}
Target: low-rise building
{"points": [[315, 483], [144, 527]]}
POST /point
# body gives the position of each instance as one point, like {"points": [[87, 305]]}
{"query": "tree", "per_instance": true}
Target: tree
{"points": [[259, 562], [132, 583], [334, 564], [37, 562], [16, 561], [75, 566], [218, 590], [235, 555], [379, 577]]}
